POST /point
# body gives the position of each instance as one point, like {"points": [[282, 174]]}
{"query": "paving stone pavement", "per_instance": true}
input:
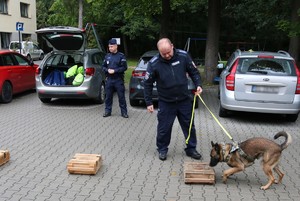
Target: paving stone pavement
{"points": [[42, 139]]}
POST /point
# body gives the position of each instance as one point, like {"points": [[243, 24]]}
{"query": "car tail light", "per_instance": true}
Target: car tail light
{"points": [[298, 81], [231, 77], [90, 71], [266, 56], [136, 73]]}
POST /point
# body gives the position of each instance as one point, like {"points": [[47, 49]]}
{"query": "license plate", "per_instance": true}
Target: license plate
{"points": [[265, 89]]}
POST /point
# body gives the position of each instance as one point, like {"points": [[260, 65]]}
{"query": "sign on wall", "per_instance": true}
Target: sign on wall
{"points": [[19, 26]]}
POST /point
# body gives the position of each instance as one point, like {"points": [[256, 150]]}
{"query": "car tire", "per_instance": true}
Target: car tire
{"points": [[101, 95], [45, 100], [6, 95], [222, 112], [134, 102], [291, 117]]}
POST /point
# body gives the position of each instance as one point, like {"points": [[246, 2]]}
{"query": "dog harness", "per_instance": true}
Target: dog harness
{"points": [[245, 156], [226, 157]]}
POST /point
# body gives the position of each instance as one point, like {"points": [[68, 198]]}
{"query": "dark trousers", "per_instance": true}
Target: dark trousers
{"points": [[113, 85], [167, 112]]}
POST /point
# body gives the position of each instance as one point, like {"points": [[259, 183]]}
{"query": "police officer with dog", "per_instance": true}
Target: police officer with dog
{"points": [[114, 66], [169, 70]]}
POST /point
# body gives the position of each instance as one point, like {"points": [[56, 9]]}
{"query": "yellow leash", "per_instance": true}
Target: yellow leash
{"points": [[193, 110], [191, 122]]}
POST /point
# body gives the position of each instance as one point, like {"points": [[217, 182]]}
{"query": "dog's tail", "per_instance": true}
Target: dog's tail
{"points": [[288, 139]]}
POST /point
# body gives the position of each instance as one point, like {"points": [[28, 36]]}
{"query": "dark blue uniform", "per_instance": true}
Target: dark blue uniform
{"points": [[173, 96], [115, 82]]}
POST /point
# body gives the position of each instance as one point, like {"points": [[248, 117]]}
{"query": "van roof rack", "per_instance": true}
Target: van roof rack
{"points": [[238, 51], [284, 52]]}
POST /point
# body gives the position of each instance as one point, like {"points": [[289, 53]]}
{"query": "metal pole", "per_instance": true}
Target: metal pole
{"points": [[20, 42]]}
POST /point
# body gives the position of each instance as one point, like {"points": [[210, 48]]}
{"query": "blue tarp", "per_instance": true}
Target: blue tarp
{"points": [[56, 78]]}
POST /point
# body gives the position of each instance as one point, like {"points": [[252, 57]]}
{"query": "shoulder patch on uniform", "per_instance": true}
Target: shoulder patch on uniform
{"points": [[182, 51]]}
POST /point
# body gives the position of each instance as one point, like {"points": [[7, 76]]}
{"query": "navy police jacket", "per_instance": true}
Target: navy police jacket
{"points": [[116, 61], [170, 77]]}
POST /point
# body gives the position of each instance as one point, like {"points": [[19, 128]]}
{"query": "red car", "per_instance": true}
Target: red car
{"points": [[17, 74]]}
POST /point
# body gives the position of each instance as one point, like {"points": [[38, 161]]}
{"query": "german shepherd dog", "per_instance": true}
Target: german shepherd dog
{"points": [[247, 152]]}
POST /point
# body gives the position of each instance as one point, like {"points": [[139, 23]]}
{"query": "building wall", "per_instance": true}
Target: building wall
{"points": [[8, 22]]}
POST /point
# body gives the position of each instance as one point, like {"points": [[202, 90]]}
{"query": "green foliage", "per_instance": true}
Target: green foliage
{"points": [[265, 21], [189, 6], [292, 29], [42, 9], [142, 18], [256, 18], [63, 13], [242, 20]]}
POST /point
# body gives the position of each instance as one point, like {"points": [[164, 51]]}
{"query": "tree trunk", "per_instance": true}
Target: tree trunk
{"points": [[212, 42], [295, 40], [80, 13], [165, 19]]}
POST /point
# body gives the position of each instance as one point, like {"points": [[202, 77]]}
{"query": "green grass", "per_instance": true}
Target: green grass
{"points": [[131, 63]]}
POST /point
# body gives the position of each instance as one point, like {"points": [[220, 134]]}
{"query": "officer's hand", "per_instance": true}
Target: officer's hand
{"points": [[150, 108], [199, 91], [111, 71]]}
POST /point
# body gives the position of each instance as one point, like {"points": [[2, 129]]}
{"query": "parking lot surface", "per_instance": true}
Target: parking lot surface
{"points": [[42, 138]]}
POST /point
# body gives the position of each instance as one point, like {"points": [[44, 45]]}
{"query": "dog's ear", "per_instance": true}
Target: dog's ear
{"points": [[214, 144], [217, 147]]}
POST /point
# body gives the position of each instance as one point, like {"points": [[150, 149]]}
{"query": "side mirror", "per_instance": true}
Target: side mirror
{"points": [[220, 66]]}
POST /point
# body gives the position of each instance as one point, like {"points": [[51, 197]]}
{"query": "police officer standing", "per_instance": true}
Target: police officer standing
{"points": [[169, 70], [114, 66]]}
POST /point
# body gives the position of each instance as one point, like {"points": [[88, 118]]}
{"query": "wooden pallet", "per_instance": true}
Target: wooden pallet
{"points": [[198, 172], [84, 164], [4, 156]]}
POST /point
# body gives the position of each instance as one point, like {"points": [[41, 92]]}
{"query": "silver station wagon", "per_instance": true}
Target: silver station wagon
{"points": [[70, 70], [262, 82]]}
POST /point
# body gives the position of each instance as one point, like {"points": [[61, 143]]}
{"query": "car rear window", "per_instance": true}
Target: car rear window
{"points": [[266, 66], [63, 60], [14, 45], [143, 63], [66, 41]]}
